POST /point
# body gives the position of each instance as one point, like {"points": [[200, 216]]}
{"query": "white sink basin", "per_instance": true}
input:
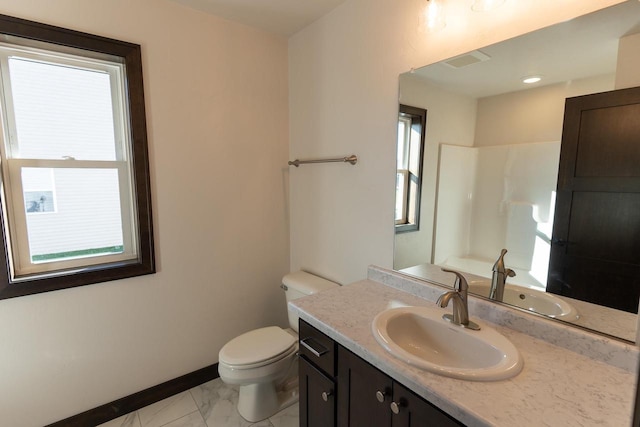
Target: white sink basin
{"points": [[420, 336], [530, 299]]}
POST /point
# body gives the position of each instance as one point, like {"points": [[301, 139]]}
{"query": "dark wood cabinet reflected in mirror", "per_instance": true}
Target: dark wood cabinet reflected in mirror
{"points": [[491, 136]]}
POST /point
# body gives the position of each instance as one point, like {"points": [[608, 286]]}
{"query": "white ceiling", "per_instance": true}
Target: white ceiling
{"points": [[584, 47], [284, 17]]}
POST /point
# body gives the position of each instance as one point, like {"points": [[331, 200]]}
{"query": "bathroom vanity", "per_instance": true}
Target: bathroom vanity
{"points": [[352, 392], [570, 377]]}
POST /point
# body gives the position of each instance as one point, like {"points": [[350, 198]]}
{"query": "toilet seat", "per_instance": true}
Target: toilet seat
{"points": [[257, 348]]}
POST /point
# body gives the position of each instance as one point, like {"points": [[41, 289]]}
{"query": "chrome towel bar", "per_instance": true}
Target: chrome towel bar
{"points": [[353, 159]]}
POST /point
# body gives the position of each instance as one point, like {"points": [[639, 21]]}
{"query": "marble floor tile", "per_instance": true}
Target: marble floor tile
{"points": [[194, 419], [212, 404], [211, 394], [167, 410], [288, 417], [129, 420], [218, 404]]}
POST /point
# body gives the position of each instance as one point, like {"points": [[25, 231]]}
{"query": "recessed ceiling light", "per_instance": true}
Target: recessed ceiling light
{"points": [[531, 79]]}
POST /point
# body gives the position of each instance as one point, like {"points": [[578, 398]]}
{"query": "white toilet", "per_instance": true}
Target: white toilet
{"points": [[264, 362]]}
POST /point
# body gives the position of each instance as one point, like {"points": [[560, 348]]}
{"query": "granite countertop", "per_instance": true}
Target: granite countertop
{"points": [[591, 384]]}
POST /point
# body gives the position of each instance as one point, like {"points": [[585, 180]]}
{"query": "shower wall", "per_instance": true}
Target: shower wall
{"points": [[496, 197]]}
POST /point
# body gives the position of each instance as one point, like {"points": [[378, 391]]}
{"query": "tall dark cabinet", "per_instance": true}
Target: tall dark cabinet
{"points": [[595, 250]]}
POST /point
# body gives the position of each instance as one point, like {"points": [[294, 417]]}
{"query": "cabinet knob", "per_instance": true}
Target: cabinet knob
{"points": [[380, 395], [325, 395], [395, 407]]}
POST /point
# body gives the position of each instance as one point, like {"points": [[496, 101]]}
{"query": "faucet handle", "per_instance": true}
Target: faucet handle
{"points": [[509, 272], [460, 283]]}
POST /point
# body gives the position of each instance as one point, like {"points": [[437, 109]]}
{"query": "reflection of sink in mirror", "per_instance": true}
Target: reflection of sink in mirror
{"points": [[530, 299], [482, 267], [420, 337]]}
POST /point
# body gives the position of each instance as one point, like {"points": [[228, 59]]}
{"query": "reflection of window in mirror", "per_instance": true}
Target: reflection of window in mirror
{"points": [[411, 129]]}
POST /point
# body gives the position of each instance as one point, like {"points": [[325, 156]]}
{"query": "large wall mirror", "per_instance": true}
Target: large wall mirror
{"points": [[491, 163]]}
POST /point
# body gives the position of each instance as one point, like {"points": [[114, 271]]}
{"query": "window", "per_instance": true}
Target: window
{"points": [[75, 186], [411, 127]]}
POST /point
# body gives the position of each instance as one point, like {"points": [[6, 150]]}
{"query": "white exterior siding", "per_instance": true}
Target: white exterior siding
{"points": [[86, 199]]}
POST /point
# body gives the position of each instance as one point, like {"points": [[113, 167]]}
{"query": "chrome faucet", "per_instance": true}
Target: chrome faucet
{"points": [[460, 306], [499, 278]]}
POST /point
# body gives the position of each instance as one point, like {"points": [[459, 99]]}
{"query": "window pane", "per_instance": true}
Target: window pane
{"points": [[404, 127], [414, 150], [38, 190], [400, 155], [401, 196], [61, 111], [87, 219]]}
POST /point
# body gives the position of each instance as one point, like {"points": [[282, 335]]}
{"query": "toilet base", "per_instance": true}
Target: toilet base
{"points": [[260, 401]]}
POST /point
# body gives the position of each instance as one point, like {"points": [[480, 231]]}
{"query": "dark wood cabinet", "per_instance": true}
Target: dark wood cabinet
{"points": [[318, 348], [317, 396], [317, 365], [414, 411], [364, 393], [353, 393], [368, 397]]}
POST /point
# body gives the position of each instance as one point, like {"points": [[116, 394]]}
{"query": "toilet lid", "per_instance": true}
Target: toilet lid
{"points": [[256, 346]]}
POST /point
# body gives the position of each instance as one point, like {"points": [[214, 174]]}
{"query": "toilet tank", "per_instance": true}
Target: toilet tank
{"points": [[300, 284]]}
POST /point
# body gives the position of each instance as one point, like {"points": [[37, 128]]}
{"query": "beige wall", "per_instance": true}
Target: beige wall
{"points": [[628, 62], [533, 115], [216, 98], [344, 99]]}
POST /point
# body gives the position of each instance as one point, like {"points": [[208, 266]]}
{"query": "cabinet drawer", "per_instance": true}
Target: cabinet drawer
{"points": [[317, 348]]}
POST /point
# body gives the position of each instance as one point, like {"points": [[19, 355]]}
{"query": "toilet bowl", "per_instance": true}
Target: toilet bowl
{"points": [[264, 362]]}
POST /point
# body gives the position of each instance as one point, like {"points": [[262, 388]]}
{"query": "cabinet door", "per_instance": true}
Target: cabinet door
{"points": [[317, 397], [413, 411], [364, 393]]}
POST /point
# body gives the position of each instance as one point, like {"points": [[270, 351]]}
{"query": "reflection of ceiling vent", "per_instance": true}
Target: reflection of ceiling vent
{"points": [[467, 59]]}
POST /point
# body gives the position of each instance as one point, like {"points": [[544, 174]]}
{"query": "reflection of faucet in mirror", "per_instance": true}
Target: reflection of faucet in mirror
{"points": [[460, 307], [499, 278]]}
